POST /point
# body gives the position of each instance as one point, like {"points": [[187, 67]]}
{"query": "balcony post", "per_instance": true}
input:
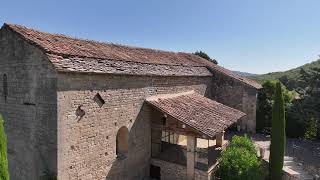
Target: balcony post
{"points": [[191, 147], [220, 139]]}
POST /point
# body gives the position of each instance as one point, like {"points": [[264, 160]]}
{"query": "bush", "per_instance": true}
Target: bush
{"points": [[311, 128], [239, 161], [243, 142]]}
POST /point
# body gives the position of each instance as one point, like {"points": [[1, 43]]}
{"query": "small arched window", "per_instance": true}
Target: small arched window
{"points": [[5, 87], [122, 142]]}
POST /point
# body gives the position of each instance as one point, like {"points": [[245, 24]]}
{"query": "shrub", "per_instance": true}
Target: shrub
{"points": [[4, 172], [243, 142], [311, 128], [278, 135], [239, 161]]}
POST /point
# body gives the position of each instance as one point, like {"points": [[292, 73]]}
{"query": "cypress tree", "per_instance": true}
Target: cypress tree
{"points": [[278, 137], [4, 172]]}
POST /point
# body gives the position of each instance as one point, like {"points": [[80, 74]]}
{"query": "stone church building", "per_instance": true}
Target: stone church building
{"points": [[85, 110]]}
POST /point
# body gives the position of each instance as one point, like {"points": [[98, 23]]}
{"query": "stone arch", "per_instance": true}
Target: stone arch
{"points": [[122, 142]]}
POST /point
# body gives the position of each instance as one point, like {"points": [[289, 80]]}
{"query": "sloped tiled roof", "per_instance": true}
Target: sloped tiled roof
{"points": [[79, 55], [91, 65], [198, 112], [66, 46], [233, 75]]}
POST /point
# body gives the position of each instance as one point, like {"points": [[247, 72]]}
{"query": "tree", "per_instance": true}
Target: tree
{"points": [[311, 90], [205, 56], [239, 161], [295, 120], [266, 100], [278, 136], [305, 110], [4, 172]]}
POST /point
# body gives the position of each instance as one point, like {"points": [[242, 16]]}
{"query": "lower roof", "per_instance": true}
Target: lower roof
{"points": [[204, 115]]}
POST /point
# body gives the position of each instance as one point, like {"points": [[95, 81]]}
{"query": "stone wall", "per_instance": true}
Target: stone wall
{"points": [[237, 95], [87, 145], [28, 105], [54, 122], [172, 171]]}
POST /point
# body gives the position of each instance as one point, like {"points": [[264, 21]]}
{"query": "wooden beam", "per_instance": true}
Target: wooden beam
{"points": [[176, 130]]}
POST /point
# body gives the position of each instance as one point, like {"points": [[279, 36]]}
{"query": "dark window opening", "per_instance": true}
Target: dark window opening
{"points": [[99, 100], [5, 87], [164, 120], [155, 172], [29, 104]]}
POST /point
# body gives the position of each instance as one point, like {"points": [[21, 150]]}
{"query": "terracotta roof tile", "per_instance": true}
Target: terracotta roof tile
{"points": [[198, 112], [90, 65], [73, 48], [67, 46], [233, 75]]}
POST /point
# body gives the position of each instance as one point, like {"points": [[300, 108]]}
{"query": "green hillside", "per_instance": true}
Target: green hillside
{"points": [[286, 77]]}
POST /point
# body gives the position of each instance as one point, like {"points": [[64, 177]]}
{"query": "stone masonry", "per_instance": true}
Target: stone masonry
{"points": [[54, 124], [171, 171], [86, 146], [30, 108], [233, 93]]}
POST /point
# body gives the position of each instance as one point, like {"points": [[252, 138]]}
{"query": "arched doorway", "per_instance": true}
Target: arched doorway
{"points": [[122, 142]]}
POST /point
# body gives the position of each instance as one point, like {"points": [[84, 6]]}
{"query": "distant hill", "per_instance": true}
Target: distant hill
{"points": [[286, 77], [245, 74]]}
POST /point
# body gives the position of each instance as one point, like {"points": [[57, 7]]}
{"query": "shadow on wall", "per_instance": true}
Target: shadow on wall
{"points": [[32, 145], [133, 163]]}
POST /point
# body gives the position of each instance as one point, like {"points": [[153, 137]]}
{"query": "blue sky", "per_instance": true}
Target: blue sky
{"points": [[256, 36]]}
